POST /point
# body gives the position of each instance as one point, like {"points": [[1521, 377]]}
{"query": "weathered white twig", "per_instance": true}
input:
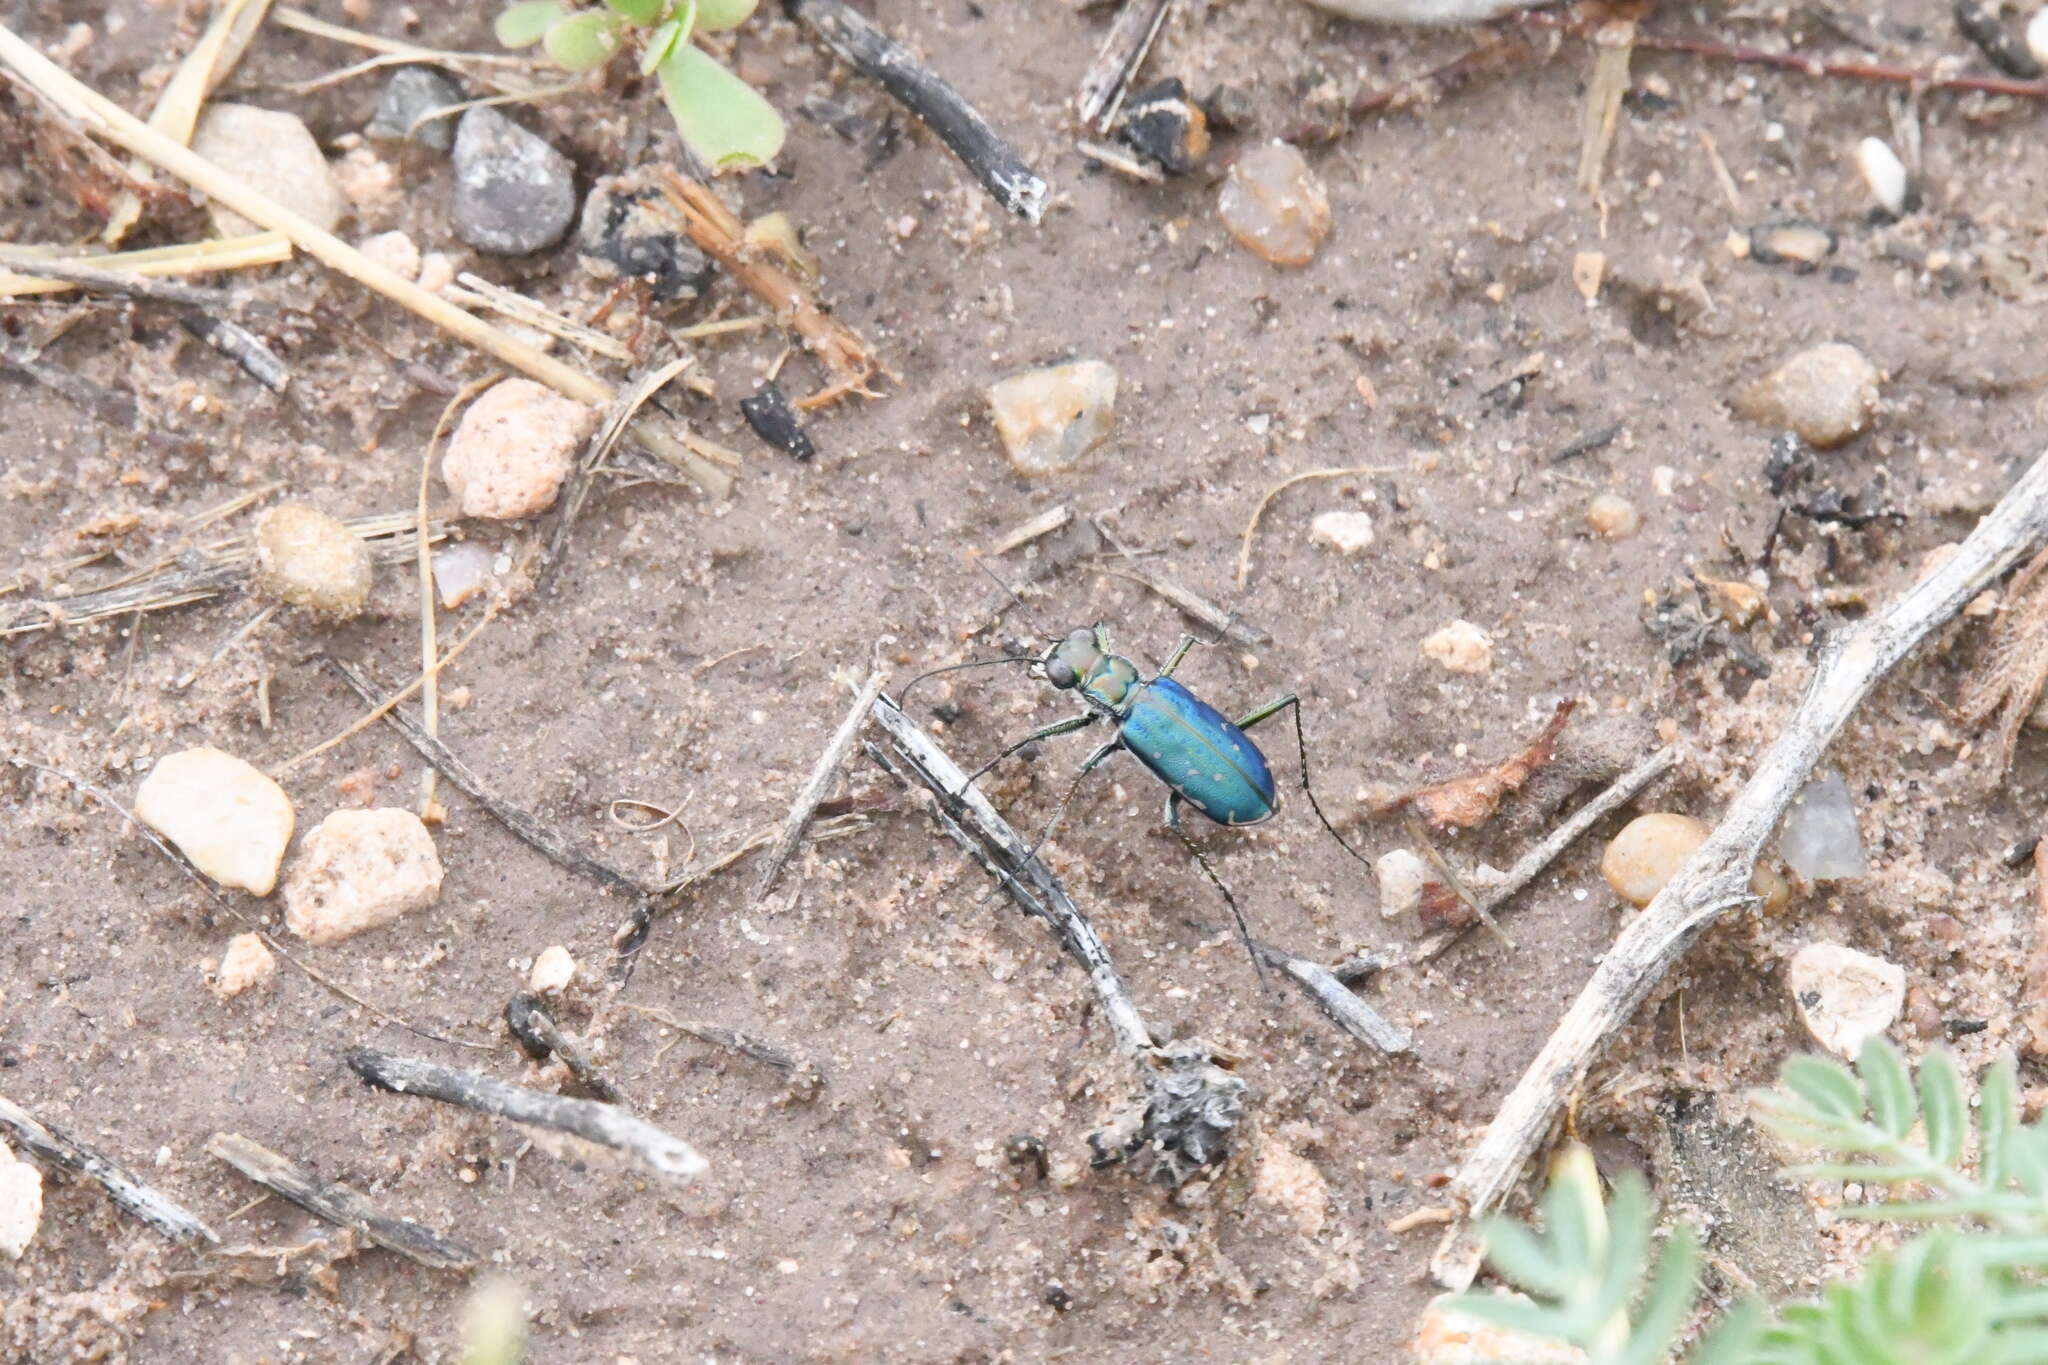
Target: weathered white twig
{"points": [[601, 1123], [1716, 878], [1118, 59], [819, 783]]}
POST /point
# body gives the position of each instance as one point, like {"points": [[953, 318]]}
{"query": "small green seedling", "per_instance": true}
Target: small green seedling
{"points": [[723, 120]]}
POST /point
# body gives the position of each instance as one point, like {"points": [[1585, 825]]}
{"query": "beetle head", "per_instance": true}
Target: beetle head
{"points": [[1075, 657]]}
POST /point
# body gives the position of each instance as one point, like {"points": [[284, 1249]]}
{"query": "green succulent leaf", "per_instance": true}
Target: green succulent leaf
{"points": [[526, 23], [1996, 1118], [1889, 1085], [584, 41], [716, 16], [1827, 1087], [1943, 1111], [724, 120], [642, 13], [660, 43]]}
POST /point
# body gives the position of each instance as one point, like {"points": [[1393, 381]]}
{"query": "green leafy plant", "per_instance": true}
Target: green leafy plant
{"points": [[1971, 1290], [724, 120]]}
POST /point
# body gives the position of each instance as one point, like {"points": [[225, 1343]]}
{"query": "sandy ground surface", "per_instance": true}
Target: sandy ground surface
{"points": [[881, 1222]]}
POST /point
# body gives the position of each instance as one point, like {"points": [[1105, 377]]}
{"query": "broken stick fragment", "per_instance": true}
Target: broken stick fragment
{"points": [[606, 1124], [58, 1148], [339, 1204]]}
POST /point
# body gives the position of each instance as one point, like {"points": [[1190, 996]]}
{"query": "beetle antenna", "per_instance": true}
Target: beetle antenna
{"points": [[903, 701], [1022, 606]]}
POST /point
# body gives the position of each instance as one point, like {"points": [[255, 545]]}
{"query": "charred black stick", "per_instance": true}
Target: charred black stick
{"points": [[526, 827], [926, 94], [606, 1124], [339, 1204], [537, 1032], [59, 1148], [1327, 990], [1986, 30], [242, 346], [805, 1079]]}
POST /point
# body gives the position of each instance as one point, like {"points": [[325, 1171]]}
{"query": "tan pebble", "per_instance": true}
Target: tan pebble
{"points": [[231, 820], [21, 1203], [437, 271], [1828, 395], [307, 558], [1843, 996], [360, 870], [394, 251], [247, 962], [552, 971], [513, 448], [1401, 877], [1345, 532], [1272, 203], [1050, 418], [1460, 647], [1736, 602], [1647, 853], [1610, 516], [1922, 1014], [273, 151], [1446, 1336], [1589, 269]]}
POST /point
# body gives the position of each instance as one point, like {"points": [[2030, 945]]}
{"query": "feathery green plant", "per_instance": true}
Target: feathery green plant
{"points": [[724, 120], [1972, 1290]]}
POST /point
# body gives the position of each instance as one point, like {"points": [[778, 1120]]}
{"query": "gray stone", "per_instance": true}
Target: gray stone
{"points": [[621, 226], [1820, 839], [514, 194], [411, 92]]}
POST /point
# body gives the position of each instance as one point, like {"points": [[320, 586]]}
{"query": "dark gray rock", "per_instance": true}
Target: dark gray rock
{"points": [[514, 194], [412, 91], [623, 225]]}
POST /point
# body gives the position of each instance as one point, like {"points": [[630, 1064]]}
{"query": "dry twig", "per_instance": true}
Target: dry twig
{"points": [[1123, 50], [1717, 876], [59, 1148], [338, 1204], [819, 783]]}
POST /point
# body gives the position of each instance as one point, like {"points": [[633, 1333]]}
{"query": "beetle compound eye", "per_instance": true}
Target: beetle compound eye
{"points": [[1060, 674]]}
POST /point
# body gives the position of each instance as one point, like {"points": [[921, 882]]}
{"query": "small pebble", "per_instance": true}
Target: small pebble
{"points": [[230, 820], [411, 92], [306, 558], [247, 962], [395, 251], [552, 971], [625, 226], [461, 571], [2037, 35], [1610, 516], [1819, 839], [1646, 855], [513, 448], [1736, 602], [1345, 532], [1446, 1336], [1401, 877], [1884, 173], [437, 271], [1272, 203], [1049, 419], [1828, 395], [514, 194], [1794, 242], [1845, 997], [21, 1203], [1460, 647], [272, 152], [360, 870]]}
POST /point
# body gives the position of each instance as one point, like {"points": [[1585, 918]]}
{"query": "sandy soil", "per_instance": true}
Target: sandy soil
{"points": [[881, 1222]]}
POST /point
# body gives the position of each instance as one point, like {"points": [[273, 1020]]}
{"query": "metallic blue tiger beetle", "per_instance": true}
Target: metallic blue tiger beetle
{"points": [[1205, 760]]}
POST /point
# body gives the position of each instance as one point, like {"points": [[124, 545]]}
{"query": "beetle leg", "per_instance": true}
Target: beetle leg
{"points": [[1274, 707], [1059, 812], [1244, 933], [1058, 727], [1180, 651]]}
